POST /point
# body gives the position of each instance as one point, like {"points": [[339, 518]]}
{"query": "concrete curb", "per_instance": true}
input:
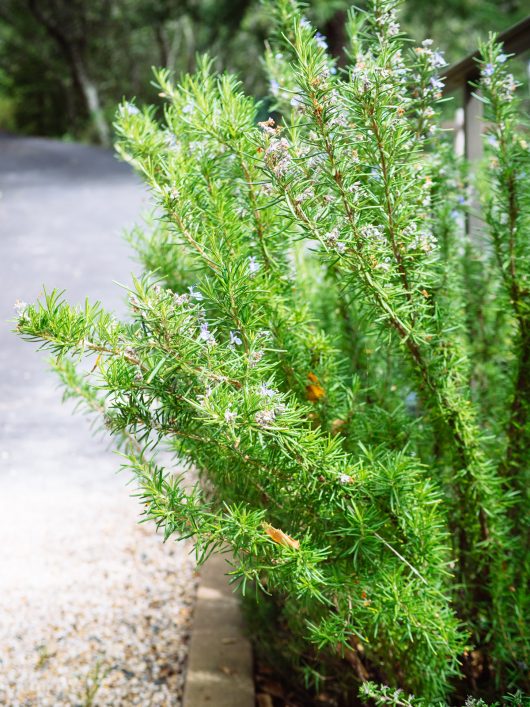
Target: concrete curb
{"points": [[220, 671]]}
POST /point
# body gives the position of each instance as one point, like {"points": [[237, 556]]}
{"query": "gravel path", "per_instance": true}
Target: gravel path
{"points": [[94, 608]]}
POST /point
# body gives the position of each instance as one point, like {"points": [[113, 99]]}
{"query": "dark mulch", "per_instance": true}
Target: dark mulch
{"points": [[273, 691]]}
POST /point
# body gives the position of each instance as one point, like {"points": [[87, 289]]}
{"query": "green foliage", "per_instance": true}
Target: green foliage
{"points": [[346, 369], [50, 48]]}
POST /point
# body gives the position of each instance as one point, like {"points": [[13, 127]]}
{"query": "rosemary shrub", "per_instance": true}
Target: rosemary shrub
{"points": [[348, 371]]}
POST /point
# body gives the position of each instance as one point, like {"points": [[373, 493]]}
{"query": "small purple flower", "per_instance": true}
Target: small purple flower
{"points": [[267, 392], [234, 339], [274, 87], [20, 308], [255, 357], [230, 416], [253, 265], [438, 60], [195, 294], [171, 141], [265, 417], [205, 333], [206, 395], [437, 83], [321, 41], [492, 140], [488, 70], [502, 58], [130, 109]]}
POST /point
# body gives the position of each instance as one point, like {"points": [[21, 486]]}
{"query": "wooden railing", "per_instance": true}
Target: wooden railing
{"points": [[468, 126], [468, 123]]}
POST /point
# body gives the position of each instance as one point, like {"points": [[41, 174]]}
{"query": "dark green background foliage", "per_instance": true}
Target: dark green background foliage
{"points": [[53, 51], [346, 368]]}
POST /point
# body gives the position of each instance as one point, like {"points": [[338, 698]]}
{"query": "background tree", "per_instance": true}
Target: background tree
{"points": [[64, 64]]}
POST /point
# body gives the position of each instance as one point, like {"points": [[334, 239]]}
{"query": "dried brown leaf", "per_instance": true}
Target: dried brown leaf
{"points": [[280, 537]]}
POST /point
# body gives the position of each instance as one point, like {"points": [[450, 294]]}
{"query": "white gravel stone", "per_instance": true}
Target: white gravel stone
{"points": [[93, 606]]}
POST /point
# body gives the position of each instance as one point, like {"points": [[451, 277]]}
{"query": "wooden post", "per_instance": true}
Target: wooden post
{"points": [[460, 135], [473, 112]]}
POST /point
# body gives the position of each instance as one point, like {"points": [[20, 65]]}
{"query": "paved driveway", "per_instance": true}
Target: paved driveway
{"points": [[88, 599]]}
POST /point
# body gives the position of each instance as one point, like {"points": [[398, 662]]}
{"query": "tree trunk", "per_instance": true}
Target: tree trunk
{"points": [[93, 104], [72, 50], [163, 45]]}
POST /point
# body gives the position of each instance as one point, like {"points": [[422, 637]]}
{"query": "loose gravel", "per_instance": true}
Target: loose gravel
{"points": [[94, 608]]}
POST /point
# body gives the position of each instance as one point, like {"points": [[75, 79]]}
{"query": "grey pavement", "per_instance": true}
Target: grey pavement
{"points": [[63, 208]]}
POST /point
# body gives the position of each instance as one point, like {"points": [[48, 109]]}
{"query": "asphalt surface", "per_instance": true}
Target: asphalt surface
{"points": [[63, 208]]}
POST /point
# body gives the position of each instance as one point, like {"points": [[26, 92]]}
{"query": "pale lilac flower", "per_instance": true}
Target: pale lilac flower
{"points": [[321, 41], [195, 294], [253, 265], [411, 402], [306, 194], [171, 141], [235, 339], [304, 22], [205, 332], [255, 357], [373, 232], [438, 60], [277, 154], [502, 58], [188, 108], [488, 70], [230, 416], [274, 87], [20, 308], [345, 479], [206, 335], [332, 237], [179, 300], [267, 392], [508, 87], [437, 84], [265, 417], [205, 395], [129, 109]]}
